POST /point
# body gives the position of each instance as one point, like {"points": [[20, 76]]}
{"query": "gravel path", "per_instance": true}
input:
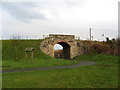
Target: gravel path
{"points": [[82, 63]]}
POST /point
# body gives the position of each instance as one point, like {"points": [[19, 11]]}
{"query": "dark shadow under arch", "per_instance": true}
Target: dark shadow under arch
{"points": [[66, 50]]}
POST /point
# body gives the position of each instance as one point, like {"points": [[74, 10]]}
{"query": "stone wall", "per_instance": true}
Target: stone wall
{"points": [[75, 49]]}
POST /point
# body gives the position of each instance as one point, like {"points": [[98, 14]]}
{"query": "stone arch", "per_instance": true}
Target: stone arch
{"points": [[70, 45], [58, 41], [66, 48]]}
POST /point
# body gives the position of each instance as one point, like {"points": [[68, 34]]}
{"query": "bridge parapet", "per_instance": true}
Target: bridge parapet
{"points": [[62, 37]]}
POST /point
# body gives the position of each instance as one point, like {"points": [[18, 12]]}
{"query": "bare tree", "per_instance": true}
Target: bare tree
{"points": [[15, 42]]}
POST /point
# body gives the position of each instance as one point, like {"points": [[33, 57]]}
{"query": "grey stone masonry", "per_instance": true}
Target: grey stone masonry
{"points": [[71, 47]]}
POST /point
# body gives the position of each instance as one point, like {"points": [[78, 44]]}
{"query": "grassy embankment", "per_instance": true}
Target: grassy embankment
{"points": [[102, 75], [40, 59]]}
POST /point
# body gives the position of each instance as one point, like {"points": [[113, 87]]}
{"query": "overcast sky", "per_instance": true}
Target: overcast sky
{"points": [[35, 19]]}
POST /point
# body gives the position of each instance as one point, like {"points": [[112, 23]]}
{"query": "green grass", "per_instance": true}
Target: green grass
{"points": [[40, 59], [104, 74], [101, 75], [36, 63], [8, 51], [103, 59]]}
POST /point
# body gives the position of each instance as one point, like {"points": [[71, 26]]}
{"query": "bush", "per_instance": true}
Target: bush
{"points": [[100, 47]]}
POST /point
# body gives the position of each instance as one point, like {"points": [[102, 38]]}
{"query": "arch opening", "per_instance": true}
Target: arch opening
{"points": [[58, 51], [62, 50]]}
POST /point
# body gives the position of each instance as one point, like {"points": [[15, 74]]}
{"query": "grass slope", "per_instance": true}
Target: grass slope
{"points": [[103, 59], [40, 59], [102, 75], [8, 50]]}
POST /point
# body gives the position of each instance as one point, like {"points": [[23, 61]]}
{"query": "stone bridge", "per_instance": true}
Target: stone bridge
{"points": [[71, 46]]}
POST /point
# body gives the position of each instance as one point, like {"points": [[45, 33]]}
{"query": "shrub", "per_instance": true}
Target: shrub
{"points": [[99, 47]]}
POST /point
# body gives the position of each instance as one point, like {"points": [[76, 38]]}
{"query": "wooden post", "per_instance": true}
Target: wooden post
{"points": [[32, 54], [26, 57], [31, 50]]}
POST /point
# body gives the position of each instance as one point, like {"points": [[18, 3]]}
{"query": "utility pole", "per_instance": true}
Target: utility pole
{"points": [[90, 34]]}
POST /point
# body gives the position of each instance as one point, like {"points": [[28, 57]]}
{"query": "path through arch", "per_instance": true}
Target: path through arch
{"points": [[66, 50]]}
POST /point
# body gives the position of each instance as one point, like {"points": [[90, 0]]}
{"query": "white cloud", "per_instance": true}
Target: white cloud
{"points": [[22, 11], [63, 16], [58, 47]]}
